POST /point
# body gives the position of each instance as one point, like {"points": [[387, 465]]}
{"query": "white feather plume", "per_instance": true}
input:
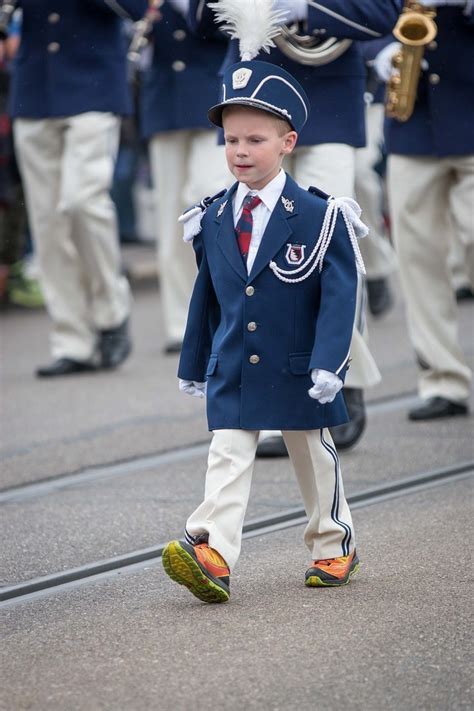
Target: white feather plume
{"points": [[253, 22]]}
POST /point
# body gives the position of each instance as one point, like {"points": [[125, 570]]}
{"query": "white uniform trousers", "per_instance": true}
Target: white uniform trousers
{"points": [[329, 532], [331, 167], [186, 166], [425, 193], [377, 252], [459, 265], [67, 166]]}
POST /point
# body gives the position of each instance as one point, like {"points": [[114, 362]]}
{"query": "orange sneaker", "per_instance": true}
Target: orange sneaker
{"points": [[200, 568], [332, 571]]}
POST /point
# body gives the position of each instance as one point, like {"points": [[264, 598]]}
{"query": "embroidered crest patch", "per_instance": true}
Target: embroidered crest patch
{"points": [[240, 78], [221, 208], [289, 205], [295, 254]]}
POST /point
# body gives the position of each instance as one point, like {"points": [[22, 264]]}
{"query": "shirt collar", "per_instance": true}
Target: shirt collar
{"points": [[268, 195]]}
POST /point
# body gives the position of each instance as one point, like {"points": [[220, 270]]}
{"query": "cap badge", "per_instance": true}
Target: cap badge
{"points": [[289, 205], [240, 78], [295, 253], [221, 208]]}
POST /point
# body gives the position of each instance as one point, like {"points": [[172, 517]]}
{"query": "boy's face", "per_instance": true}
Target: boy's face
{"points": [[255, 145]]}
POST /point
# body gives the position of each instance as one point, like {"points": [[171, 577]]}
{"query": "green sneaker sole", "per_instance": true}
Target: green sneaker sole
{"points": [[27, 299], [314, 581], [184, 570]]}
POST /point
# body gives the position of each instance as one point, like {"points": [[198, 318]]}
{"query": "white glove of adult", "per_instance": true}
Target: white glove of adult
{"points": [[383, 61], [190, 387], [326, 385], [181, 6], [438, 3], [296, 10]]}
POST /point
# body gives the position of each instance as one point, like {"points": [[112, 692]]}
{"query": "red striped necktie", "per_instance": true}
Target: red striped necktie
{"points": [[243, 229]]}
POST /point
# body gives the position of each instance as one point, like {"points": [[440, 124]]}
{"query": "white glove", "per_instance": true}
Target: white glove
{"points": [[383, 61], [181, 6], [190, 387], [296, 10], [438, 3], [326, 386]]}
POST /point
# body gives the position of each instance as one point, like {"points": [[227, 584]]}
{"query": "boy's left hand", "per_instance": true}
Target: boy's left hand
{"points": [[326, 386]]}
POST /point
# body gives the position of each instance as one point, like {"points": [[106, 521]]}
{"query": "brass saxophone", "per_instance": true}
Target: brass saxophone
{"points": [[415, 29]]}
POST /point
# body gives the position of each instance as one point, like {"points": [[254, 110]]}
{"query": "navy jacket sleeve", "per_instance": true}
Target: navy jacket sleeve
{"points": [[201, 19], [135, 9], [203, 319], [337, 307], [354, 19]]}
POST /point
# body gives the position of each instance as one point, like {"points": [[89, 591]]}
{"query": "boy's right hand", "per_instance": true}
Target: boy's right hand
{"points": [[190, 387]]}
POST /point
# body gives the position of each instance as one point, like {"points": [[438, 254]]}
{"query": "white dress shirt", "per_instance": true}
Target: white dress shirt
{"points": [[269, 195]]}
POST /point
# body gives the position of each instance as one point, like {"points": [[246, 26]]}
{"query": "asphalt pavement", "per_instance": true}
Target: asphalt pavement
{"points": [[96, 466]]}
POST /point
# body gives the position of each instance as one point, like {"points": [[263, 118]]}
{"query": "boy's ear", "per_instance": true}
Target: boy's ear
{"points": [[289, 141]]}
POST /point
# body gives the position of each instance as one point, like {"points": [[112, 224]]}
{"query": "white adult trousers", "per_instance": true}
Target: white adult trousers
{"points": [[377, 252], [429, 199], [331, 167], [329, 532], [67, 167], [186, 165]]}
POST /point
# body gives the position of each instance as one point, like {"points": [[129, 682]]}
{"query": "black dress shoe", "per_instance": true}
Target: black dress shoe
{"points": [[437, 407], [379, 296], [114, 345], [346, 435], [65, 366], [464, 293], [173, 347], [273, 446]]}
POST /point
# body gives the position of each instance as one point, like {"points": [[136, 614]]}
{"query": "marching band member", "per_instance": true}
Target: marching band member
{"points": [[185, 158], [377, 252], [269, 327], [325, 156], [69, 86], [431, 186]]}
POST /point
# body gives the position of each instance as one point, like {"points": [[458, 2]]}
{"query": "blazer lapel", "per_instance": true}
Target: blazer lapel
{"points": [[278, 230], [225, 236]]}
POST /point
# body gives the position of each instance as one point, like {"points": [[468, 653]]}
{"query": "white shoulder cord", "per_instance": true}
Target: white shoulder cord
{"points": [[355, 228]]}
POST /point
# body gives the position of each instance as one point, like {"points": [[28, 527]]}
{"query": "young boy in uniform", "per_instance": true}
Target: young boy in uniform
{"points": [[268, 334]]}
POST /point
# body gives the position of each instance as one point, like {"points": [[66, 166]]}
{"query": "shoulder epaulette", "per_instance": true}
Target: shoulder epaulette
{"points": [[191, 219], [205, 202], [318, 192]]}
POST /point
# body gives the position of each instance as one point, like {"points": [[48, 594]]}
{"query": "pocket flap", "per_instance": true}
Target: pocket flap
{"points": [[299, 363], [212, 365]]}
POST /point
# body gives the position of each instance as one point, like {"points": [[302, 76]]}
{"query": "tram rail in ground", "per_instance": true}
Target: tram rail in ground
{"points": [[48, 485], [30, 589]]}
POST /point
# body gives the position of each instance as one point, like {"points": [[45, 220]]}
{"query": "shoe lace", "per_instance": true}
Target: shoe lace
{"points": [[327, 562]]}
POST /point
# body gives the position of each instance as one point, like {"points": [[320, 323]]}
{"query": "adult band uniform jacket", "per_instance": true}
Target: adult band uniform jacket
{"points": [[72, 58], [182, 81], [255, 338], [442, 123]]}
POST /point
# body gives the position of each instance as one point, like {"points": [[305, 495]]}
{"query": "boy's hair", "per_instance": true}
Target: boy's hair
{"points": [[281, 124]]}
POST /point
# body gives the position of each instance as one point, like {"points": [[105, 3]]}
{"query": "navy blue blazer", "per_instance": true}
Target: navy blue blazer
{"points": [[182, 82], [72, 58], [442, 123], [255, 338], [335, 90]]}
